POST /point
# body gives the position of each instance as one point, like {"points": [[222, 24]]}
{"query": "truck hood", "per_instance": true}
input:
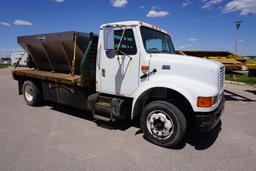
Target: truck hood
{"points": [[193, 68], [202, 61]]}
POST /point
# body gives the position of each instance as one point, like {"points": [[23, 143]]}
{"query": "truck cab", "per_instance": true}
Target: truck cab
{"points": [[138, 60], [134, 74]]}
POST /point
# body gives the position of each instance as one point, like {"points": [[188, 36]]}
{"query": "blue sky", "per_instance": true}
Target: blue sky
{"points": [[193, 24]]}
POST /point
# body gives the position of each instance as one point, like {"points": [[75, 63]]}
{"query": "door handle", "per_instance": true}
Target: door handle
{"points": [[148, 74]]}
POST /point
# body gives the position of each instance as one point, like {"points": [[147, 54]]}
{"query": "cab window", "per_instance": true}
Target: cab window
{"points": [[128, 45]]}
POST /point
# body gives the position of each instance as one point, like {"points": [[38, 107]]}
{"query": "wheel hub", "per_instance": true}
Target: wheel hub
{"points": [[29, 93], [160, 124]]}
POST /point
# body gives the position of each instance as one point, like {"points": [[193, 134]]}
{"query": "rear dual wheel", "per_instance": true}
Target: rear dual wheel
{"points": [[31, 93], [163, 123]]}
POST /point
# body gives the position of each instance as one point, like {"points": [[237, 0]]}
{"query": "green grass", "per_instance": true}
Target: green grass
{"points": [[241, 76], [4, 65]]}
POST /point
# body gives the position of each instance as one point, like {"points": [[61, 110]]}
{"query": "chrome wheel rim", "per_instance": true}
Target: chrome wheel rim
{"points": [[160, 124], [29, 93]]}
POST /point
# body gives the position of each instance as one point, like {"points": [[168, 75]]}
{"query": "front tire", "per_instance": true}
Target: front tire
{"points": [[163, 123], [31, 93]]}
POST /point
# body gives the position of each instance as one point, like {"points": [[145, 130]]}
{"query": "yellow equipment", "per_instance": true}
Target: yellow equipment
{"points": [[232, 62]]}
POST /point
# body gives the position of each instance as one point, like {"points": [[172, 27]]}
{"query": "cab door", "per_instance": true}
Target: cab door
{"points": [[119, 75]]}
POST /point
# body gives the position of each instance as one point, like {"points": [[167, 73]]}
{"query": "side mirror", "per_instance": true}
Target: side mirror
{"points": [[108, 33]]}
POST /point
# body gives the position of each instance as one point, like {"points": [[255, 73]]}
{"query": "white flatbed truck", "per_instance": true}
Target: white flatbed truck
{"points": [[130, 70]]}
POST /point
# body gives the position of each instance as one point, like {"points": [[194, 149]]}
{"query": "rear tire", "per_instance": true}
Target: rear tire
{"points": [[163, 123], [32, 94]]}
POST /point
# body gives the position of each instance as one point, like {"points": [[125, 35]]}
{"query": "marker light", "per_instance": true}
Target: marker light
{"points": [[204, 102], [144, 69]]}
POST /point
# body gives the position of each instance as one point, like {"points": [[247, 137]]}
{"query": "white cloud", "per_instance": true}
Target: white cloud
{"points": [[10, 50], [245, 7], [186, 3], [119, 3], [16, 49], [5, 24], [207, 4], [155, 8], [59, 1], [192, 40], [5, 52], [3, 49], [22, 23], [154, 13], [187, 46]]}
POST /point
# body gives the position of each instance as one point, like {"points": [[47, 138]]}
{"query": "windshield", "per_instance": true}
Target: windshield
{"points": [[155, 41]]}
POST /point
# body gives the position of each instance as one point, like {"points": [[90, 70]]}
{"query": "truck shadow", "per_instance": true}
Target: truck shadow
{"points": [[83, 114], [231, 96], [251, 91], [199, 141], [202, 141], [68, 110]]}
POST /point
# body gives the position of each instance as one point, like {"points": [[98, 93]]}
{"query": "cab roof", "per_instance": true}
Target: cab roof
{"points": [[134, 23]]}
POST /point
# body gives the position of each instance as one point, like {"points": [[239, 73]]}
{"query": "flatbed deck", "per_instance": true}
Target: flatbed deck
{"points": [[48, 75]]}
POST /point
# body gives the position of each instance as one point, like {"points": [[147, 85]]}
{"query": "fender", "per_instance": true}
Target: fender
{"points": [[188, 87]]}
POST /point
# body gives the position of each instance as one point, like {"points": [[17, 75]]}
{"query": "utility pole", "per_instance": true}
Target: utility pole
{"points": [[238, 24]]}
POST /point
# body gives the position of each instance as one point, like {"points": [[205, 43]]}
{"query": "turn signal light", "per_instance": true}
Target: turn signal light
{"points": [[204, 102], [144, 69]]}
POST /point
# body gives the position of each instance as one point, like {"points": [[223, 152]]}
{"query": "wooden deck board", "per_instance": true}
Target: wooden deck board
{"points": [[47, 75]]}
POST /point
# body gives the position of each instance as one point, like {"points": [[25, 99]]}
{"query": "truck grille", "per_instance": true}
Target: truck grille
{"points": [[221, 77]]}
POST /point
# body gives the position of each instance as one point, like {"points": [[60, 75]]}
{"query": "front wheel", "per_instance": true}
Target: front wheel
{"points": [[163, 123]]}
